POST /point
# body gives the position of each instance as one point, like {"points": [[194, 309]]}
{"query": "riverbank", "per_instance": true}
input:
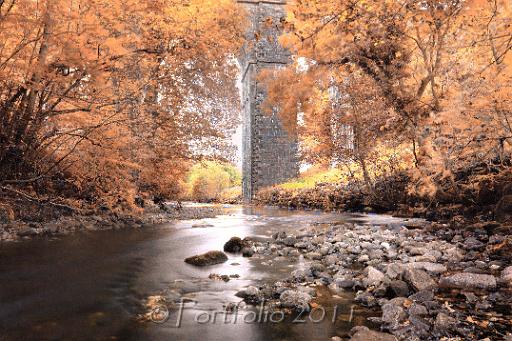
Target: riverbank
{"points": [[482, 193], [427, 281], [151, 215]]}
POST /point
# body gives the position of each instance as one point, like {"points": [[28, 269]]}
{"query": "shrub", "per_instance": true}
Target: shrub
{"points": [[207, 180]]}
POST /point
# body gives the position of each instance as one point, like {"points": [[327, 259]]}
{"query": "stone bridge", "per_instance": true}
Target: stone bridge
{"points": [[269, 152]]}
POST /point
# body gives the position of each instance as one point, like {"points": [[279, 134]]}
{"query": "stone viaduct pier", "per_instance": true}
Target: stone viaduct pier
{"points": [[269, 152]]}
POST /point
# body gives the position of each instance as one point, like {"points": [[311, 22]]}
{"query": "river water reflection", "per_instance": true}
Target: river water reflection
{"points": [[89, 286]]}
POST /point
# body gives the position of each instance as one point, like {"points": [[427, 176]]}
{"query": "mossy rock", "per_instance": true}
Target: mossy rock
{"points": [[235, 245], [209, 258]]}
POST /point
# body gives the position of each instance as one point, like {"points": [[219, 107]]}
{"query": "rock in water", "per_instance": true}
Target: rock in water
{"points": [[247, 252], [295, 299], [234, 245], [251, 295], [209, 258], [469, 281], [365, 334]]}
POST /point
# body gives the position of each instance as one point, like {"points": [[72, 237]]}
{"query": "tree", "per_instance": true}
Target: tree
{"points": [[434, 75], [102, 94]]}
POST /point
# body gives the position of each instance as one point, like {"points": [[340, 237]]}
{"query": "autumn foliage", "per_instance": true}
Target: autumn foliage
{"points": [[431, 78], [103, 101]]}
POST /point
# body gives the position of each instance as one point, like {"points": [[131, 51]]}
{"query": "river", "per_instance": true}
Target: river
{"points": [[91, 285]]}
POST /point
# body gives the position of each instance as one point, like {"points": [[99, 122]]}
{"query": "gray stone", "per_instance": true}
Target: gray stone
{"points": [[417, 251], [345, 283], [313, 256], [290, 241], [27, 231], [394, 270], [503, 210], [316, 267], [363, 258], [506, 276], [247, 252], [302, 245], [453, 254], [417, 309], [364, 334], [433, 268], [308, 290], [422, 296], [419, 280], [330, 260], [301, 275], [393, 314], [234, 245], [472, 243], [376, 254], [469, 281], [399, 288], [373, 276], [324, 250], [399, 301], [365, 299], [295, 299], [294, 253], [250, 294], [476, 270], [444, 323], [421, 326]]}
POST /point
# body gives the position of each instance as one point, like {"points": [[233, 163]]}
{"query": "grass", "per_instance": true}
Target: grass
{"points": [[400, 157]]}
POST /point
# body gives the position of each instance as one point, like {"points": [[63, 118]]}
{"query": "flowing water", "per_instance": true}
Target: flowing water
{"points": [[91, 286]]}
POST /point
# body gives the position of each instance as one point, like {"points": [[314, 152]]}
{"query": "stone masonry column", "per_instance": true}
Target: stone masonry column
{"points": [[269, 153]]}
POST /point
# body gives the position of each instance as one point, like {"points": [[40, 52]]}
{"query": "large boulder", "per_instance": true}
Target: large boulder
{"points": [[469, 281], [209, 258], [234, 245], [364, 334], [419, 280]]}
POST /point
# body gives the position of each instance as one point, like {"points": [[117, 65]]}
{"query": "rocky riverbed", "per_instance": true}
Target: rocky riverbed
{"points": [[427, 281], [151, 215]]}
